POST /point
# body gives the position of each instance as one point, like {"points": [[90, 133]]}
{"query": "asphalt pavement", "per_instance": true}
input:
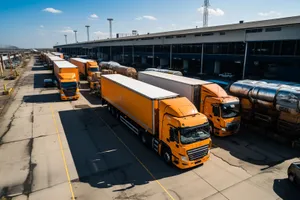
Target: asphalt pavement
{"points": [[51, 149]]}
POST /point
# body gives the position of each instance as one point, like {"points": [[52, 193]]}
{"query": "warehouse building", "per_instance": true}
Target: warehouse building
{"points": [[267, 49]]}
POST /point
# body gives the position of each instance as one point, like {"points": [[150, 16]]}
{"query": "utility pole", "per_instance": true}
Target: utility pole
{"points": [[110, 27], [66, 39], [88, 33], [205, 13], [75, 31]]}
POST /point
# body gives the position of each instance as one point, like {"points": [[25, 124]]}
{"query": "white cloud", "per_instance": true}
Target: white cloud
{"points": [[212, 12], [52, 10], [270, 14], [67, 30], [41, 26], [149, 17], [94, 16]]}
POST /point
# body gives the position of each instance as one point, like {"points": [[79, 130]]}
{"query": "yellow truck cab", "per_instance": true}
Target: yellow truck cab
{"points": [[87, 70], [169, 124], [68, 79], [221, 109]]}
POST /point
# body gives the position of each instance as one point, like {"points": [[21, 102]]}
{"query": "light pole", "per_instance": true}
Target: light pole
{"points": [[75, 31], [110, 26], [88, 33], [66, 39]]}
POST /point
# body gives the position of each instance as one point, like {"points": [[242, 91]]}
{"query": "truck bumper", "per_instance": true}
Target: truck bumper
{"points": [[64, 98], [189, 164]]}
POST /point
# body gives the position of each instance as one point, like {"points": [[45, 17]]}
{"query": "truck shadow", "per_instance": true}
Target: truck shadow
{"points": [[39, 79], [286, 190], [42, 98], [255, 148], [93, 99], [106, 153]]}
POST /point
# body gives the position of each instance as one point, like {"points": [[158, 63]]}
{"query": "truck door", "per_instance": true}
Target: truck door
{"points": [[170, 137], [173, 141]]}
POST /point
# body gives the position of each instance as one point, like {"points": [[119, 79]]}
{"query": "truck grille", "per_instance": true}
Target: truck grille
{"points": [[70, 92], [197, 153], [232, 127]]}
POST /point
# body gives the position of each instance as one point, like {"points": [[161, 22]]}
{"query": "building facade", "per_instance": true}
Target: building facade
{"points": [[267, 49]]}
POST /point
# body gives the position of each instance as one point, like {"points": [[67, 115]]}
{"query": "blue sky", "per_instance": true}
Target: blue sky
{"points": [[29, 24]]}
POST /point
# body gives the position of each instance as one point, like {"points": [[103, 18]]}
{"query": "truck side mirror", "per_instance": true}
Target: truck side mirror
{"points": [[172, 134], [216, 111]]}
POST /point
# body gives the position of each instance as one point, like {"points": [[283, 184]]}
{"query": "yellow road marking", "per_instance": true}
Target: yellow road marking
{"points": [[63, 154], [171, 197]]}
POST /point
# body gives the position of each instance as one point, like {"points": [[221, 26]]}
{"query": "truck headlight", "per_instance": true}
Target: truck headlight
{"points": [[223, 129], [63, 95], [184, 158]]}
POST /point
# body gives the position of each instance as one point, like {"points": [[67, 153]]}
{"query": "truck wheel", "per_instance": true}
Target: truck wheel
{"points": [[167, 156]]}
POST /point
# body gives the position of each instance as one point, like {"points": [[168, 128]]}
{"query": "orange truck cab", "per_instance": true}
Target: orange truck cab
{"points": [[221, 109], [68, 79], [87, 68], [169, 124]]}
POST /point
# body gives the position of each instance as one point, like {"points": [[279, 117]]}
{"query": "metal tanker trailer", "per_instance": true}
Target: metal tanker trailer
{"points": [[274, 104]]}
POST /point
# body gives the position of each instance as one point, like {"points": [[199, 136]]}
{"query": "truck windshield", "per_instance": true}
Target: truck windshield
{"points": [[94, 69], [230, 110], [68, 85], [194, 134]]}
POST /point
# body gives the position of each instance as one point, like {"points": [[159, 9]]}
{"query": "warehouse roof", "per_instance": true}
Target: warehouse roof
{"points": [[142, 88], [82, 60], [180, 79], [64, 64], [229, 27]]}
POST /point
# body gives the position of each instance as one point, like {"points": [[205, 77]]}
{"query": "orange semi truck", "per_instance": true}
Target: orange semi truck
{"points": [[221, 109], [68, 78], [87, 68], [169, 124]]}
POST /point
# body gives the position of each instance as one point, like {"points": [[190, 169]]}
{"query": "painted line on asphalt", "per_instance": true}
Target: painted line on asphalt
{"points": [[63, 154], [144, 166]]}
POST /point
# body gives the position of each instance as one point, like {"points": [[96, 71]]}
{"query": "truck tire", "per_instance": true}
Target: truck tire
{"points": [[167, 155]]}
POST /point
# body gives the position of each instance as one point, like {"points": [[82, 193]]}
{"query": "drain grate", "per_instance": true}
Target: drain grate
{"points": [[82, 106]]}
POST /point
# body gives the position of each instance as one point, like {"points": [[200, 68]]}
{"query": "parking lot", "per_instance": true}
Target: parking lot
{"points": [[51, 149]]}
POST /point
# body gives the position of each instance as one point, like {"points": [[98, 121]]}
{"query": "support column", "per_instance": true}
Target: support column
{"points": [[132, 54], [153, 58], [171, 48], [245, 60], [1, 66], [217, 67], [123, 55], [110, 56], [202, 56]]}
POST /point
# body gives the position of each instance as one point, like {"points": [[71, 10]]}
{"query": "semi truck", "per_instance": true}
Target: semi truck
{"points": [[50, 61], [221, 109], [87, 69], [274, 105], [168, 124], [68, 79], [58, 54]]}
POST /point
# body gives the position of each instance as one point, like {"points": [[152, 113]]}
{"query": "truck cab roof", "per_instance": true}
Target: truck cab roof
{"points": [[180, 107], [67, 76]]}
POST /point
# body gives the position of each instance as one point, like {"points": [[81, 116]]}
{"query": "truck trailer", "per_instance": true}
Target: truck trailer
{"points": [[221, 109], [87, 69], [68, 78], [274, 105], [169, 124]]}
